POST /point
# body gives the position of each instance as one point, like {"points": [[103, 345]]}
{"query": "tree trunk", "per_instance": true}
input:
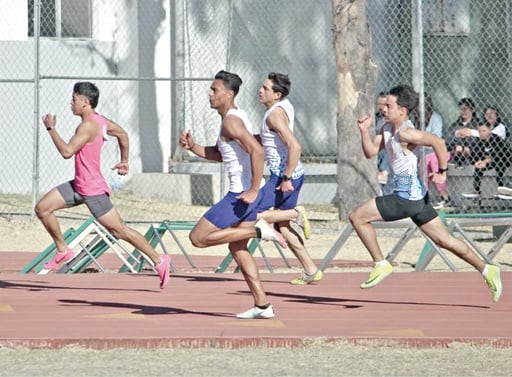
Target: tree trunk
{"points": [[356, 76]]}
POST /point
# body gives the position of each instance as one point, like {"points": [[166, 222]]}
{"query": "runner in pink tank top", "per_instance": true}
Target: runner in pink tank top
{"points": [[89, 179], [89, 186]]}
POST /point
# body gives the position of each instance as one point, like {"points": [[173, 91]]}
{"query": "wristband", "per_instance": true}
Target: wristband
{"points": [[441, 171], [49, 128], [286, 178]]}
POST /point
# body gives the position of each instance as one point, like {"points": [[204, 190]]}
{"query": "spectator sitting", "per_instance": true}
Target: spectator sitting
{"points": [[459, 134], [489, 151], [491, 115]]}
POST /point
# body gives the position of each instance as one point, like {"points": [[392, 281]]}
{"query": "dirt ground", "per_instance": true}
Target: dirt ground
{"points": [[21, 233], [317, 360]]}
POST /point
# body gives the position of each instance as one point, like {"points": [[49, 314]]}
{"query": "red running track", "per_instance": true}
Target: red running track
{"points": [[107, 310]]}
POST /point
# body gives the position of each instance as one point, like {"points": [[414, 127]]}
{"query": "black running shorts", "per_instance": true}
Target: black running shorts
{"points": [[392, 207]]}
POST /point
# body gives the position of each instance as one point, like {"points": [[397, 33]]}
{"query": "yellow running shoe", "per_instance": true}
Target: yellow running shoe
{"points": [[303, 222], [378, 274], [308, 279], [493, 280]]}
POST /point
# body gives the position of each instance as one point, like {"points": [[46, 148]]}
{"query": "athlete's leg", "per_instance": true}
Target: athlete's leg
{"points": [[296, 245], [438, 233], [361, 219], [249, 270], [206, 234], [115, 225], [45, 209]]}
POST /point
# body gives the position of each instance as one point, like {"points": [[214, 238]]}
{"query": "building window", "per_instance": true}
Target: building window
{"points": [[62, 18]]}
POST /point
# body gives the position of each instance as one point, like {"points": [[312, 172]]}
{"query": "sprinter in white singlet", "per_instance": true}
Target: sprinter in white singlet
{"points": [[410, 198]]}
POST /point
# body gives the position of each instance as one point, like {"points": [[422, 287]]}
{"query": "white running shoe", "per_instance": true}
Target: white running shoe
{"points": [[268, 233], [439, 205], [470, 195], [505, 191], [255, 313]]}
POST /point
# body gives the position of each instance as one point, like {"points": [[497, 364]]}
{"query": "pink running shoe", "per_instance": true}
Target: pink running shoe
{"points": [[59, 258], [163, 270]]}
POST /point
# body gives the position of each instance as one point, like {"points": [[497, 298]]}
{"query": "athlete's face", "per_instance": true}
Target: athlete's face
{"points": [[381, 104], [78, 103], [219, 95], [266, 94], [393, 112]]}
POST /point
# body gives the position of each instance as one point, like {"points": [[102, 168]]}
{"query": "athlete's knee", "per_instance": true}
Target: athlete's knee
{"points": [[120, 232], [38, 211], [41, 210], [196, 240], [352, 217]]}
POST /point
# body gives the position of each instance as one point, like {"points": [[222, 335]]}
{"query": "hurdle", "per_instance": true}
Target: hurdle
{"points": [[460, 221], [171, 227], [100, 240], [154, 235], [410, 230], [253, 245], [93, 239]]}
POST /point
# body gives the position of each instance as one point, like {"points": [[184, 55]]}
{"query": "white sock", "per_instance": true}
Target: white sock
{"points": [[380, 263], [485, 271]]}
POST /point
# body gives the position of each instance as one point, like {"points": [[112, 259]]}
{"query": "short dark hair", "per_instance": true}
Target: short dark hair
{"points": [[466, 101], [405, 97], [89, 90], [231, 80], [280, 83], [485, 124]]}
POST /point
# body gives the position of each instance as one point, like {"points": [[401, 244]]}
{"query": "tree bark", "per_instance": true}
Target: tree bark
{"points": [[356, 77]]}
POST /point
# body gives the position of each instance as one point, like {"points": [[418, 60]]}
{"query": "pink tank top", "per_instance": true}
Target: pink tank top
{"points": [[89, 180]]}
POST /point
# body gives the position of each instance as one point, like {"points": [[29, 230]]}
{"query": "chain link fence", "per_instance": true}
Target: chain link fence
{"points": [[154, 60], [154, 64], [462, 58]]}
